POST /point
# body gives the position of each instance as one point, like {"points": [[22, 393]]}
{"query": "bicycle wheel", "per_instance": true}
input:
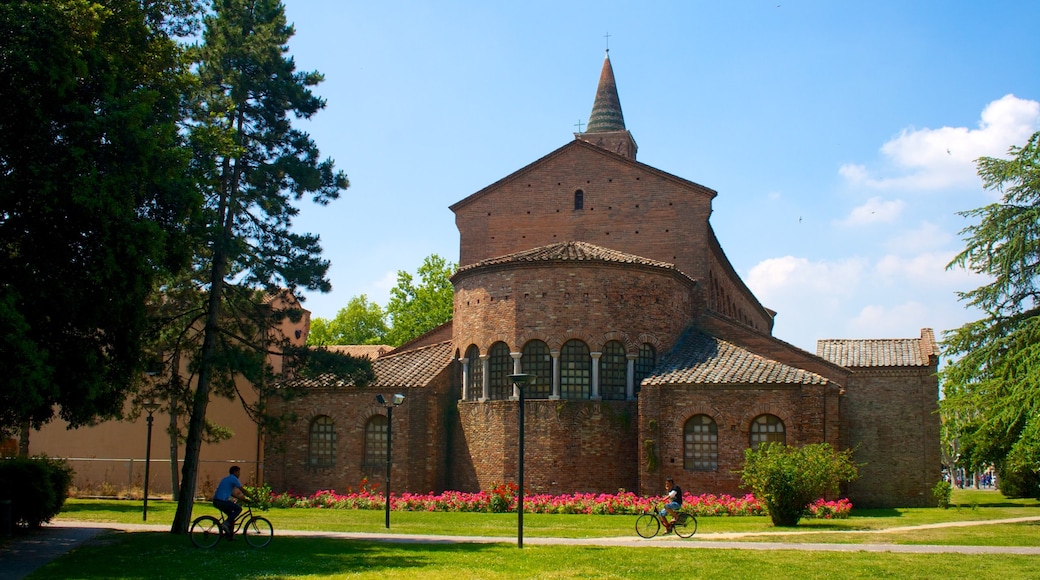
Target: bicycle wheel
{"points": [[647, 526], [258, 532], [205, 531], [685, 526]]}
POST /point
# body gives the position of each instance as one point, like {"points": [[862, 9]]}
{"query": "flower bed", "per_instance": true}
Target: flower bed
{"points": [[502, 498]]}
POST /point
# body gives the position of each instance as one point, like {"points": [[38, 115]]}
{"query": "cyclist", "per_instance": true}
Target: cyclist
{"points": [[674, 502], [229, 493]]}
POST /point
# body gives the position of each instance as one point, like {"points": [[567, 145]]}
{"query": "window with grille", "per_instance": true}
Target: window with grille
{"points": [[476, 373], [613, 371], [375, 442], [701, 444], [500, 366], [322, 447], [575, 370], [579, 199], [645, 363], [537, 361], [767, 428]]}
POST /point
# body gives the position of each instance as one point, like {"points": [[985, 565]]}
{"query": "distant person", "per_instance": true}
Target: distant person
{"points": [[229, 493]]}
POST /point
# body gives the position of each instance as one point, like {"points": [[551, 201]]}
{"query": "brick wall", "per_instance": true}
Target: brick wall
{"points": [[664, 410], [893, 425], [555, 301], [628, 207], [420, 434], [570, 446]]}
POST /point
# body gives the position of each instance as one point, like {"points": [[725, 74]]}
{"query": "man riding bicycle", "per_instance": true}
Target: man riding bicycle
{"points": [[674, 502], [229, 492]]}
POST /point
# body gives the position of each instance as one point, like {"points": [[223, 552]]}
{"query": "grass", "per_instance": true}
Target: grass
{"points": [[162, 555]]}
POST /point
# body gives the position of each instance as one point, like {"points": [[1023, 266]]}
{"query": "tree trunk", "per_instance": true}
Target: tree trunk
{"points": [[23, 440]]}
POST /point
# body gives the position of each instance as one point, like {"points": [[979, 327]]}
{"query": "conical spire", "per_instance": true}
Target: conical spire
{"points": [[606, 110], [606, 127]]}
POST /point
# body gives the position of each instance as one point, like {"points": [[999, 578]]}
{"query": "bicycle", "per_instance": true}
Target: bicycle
{"points": [[206, 531], [649, 524]]}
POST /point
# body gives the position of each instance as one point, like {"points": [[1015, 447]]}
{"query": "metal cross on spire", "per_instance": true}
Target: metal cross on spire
{"points": [[607, 36], [578, 125]]}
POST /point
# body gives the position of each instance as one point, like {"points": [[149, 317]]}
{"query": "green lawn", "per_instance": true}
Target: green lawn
{"points": [[162, 555]]}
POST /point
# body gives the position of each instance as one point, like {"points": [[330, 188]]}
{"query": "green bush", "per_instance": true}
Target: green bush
{"points": [[36, 486], [787, 479], [942, 493], [1018, 483]]}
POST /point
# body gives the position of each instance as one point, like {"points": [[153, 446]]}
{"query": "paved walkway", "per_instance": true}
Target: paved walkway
{"points": [[20, 556]]}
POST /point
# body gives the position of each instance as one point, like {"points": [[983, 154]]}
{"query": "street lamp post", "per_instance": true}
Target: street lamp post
{"points": [[150, 406], [520, 381], [395, 401]]}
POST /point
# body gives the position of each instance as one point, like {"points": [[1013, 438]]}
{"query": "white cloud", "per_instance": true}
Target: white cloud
{"points": [[874, 211], [926, 159], [891, 321], [776, 277], [927, 236]]}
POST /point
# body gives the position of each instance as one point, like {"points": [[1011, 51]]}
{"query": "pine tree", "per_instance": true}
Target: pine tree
{"points": [[252, 166], [992, 387]]}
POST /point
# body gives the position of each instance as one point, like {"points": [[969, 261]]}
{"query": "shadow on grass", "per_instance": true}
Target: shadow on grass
{"points": [[151, 554], [876, 513]]}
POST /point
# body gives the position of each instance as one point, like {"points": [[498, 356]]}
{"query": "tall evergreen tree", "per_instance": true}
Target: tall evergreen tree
{"points": [[252, 166], [93, 197], [992, 387]]}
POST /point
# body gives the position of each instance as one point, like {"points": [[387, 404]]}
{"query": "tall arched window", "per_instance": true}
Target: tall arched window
{"points": [[476, 373], [537, 361], [500, 366], [575, 370], [613, 371], [645, 363], [767, 428], [321, 450], [701, 444], [579, 199], [375, 442]]}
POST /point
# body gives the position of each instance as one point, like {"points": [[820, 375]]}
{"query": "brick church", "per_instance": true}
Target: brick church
{"points": [[602, 278]]}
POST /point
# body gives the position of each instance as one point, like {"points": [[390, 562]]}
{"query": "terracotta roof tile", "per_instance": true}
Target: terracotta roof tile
{"points": [[412, 368], [569, 251], [884, 352], [704, 359]]}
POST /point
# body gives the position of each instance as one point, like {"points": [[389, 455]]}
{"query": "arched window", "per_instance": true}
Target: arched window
{"points": [[476, 373], [537, 361], [321, 451], [579, 199], [645, 363], [575, 370], [500, 366], [701, 444], [767, 428], [375, 442], [613, 371]]}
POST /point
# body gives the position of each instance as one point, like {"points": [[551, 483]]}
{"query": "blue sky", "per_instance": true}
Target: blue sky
{"points": [[840, 135]]}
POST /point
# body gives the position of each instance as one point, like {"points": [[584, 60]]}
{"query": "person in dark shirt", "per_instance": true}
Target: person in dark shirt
{"points": [[674, 502]]}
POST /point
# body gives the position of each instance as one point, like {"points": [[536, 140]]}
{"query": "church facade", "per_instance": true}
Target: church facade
{"points": [[601, 277]]}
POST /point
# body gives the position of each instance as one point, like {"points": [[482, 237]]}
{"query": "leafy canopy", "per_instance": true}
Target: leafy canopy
{"points": [[360, 322], [416, 309], [94, 197], [992, 387]]}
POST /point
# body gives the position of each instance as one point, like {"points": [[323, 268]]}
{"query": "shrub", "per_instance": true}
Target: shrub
{"points": [[942, 493], [788, 479], [36, 486], [1018, 482]]}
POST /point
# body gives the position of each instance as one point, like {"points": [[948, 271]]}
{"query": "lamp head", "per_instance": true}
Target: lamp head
{"points": [[381, 400], [150, 405], [521, 379], [398, 399]]}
